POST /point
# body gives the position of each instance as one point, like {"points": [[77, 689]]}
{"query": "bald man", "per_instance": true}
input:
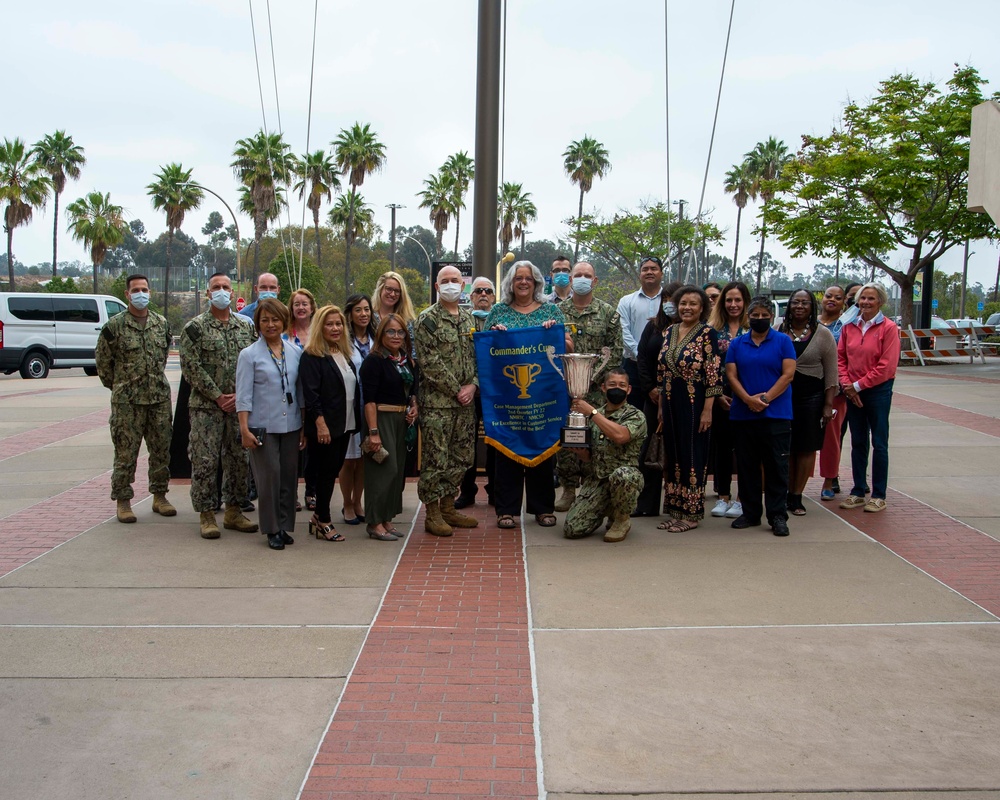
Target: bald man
{"points": [[267, 286]]}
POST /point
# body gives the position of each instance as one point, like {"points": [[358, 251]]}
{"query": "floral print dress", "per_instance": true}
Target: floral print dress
{"points": [[689, 371]]}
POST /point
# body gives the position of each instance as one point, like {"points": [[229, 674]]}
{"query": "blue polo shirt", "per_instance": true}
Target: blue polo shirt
{"points": [[758, 367]]}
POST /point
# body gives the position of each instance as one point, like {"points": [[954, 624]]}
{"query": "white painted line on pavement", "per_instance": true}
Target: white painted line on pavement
{"points": [[536, 719]]}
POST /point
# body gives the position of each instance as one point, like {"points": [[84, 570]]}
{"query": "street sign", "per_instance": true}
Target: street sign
{"points": [[934, 304], [979, 305], [241, 304]]}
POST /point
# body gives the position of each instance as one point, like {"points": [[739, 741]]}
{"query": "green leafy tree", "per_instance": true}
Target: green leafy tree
{"points": [[438, 197], [741, 185], [59, 284], [312, 279], [515, 210], [585, 160], [24, 186], [358, 153], [462, 170], [98, 223], [764, 163], [892, 176], [317, 174], [263, 164], [352, 215], [173, 193], [629, 235], [61, 158]]}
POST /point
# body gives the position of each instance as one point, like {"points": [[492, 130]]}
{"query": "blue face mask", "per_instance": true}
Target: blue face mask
{"points": [[582, 285], [267, 296], [221, 299], [560, 279], [139, 299], [478, 312]]}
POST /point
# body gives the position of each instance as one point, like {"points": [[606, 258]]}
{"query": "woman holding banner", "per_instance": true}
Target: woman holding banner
{"points": [[522, 305]]}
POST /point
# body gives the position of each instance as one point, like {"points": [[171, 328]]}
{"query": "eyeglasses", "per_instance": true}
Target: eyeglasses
{"points": [[395, 334], [482, 291], [390, 290]]}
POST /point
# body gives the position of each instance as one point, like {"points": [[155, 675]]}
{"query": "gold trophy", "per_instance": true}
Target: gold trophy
{"points": [[522, 376], [579, 367]]}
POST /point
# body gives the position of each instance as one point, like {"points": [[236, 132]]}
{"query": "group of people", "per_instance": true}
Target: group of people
{"points": [[696, 380]]}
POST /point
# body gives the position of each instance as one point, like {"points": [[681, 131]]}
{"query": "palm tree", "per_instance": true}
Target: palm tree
{"points": [[23, 187], [462, 169], [98, 223], [740, 184], [262, 164], [61, 158], [514, 212], [174, 193], [358, 152], [765, 162], [585, 160], [353, 216], [318, 175], [438, 197]]}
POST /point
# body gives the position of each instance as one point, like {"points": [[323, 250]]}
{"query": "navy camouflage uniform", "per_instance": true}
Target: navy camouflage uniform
{"points": [[614, 481]]}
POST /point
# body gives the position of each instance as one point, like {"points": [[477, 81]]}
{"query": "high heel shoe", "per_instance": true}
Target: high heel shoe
{"points": [[324, 530], [381, 536]]}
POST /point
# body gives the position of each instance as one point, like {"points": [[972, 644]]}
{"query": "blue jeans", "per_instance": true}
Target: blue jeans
{"points": [[871, 421]]}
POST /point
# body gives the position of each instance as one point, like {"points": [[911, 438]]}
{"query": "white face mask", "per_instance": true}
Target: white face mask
{"points": [[139, 299], [221, 299], [669, 309], [450, 292], [582, 285], [267, 296]]}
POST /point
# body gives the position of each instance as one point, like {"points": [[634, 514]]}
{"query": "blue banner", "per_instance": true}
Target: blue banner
{"points": [[525, 402]]}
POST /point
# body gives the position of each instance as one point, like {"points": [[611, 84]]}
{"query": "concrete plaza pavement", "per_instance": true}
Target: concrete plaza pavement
{"points": [[857, 657]]}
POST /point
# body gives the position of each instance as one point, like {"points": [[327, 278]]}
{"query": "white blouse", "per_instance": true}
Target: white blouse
{"points": [[350, 387]]}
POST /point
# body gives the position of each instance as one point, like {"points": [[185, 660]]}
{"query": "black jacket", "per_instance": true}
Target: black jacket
{"points": [[324, 393]]}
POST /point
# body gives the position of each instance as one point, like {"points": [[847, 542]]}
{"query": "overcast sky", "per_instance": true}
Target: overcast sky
{"points": [[139, 85]]}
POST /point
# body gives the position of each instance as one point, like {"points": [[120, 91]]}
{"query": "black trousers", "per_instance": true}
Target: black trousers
{"points": [[513, 481], [327, 459], [763, 444], [651, 496]]}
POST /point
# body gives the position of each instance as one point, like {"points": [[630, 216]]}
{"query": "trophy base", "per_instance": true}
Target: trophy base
{"points": [[575, 437]]}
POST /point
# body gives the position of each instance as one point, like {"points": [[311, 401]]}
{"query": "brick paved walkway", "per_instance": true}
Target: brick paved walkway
{"points": [[440, 700], [20, 443]]}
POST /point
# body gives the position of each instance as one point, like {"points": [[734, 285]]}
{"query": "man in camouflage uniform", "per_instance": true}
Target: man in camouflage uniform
{"points": [[209, 345], [446, 393], [598, 325], [131, 361], [614, 481]]}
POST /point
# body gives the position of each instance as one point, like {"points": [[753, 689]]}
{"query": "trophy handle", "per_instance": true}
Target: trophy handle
{"points": [[550, 351], [603, 362]]}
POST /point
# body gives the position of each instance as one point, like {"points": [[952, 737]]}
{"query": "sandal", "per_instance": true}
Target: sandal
{"points": [[677, 526], [506, 521], [310, 502], [546, 520], [382, 536], [325, 531]]}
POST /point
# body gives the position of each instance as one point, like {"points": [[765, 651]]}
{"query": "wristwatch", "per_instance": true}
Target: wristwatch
{"points": [[372, 431], [590, 416]]}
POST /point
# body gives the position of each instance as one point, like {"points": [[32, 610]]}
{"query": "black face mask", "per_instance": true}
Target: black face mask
{"points": [[850, 302], [616, 396], [759, 325]]}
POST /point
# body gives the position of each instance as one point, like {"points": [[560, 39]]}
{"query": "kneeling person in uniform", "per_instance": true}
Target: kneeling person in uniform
{"points": [[617, 431]]}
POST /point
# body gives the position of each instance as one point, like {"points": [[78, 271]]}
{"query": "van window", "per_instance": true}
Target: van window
{"points": [[34, 309], [113, 307], [73, 309]]}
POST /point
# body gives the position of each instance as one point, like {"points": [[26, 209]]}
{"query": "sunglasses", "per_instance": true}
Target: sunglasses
{"points": [[654, 259], [482, 291]]}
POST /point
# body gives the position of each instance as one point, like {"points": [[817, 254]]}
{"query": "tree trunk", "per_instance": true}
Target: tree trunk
{"points": [[347, 245], [10, 257], [456, 234], [440, 244], [579, 226], [319, 259], [996, 286], [55, 239], [905, 300], [736, 250], [760, 260], [95, 277], [166, 279]]}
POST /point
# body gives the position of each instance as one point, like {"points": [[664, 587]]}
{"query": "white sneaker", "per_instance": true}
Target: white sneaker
{"points": [[721, 508], [735, 510]]}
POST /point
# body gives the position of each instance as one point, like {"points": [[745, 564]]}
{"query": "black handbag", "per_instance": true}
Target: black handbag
{"points": [[654, 450]]}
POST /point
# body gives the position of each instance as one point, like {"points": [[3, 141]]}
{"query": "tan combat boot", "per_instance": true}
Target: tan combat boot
{"points": [[125, 512], [162, 506], [456, 518], [619, 528], [566, 499], [209, 527], [235, 521], [434, 524]]}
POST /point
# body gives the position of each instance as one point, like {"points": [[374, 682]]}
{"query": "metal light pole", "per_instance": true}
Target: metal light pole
{"points": [[392, 232], [239, 274], [524, 241], [484, 207], [965, 279]]}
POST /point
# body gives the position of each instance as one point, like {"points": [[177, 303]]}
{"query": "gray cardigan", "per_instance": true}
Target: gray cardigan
{"points": [[258, 388], [819, 360]]}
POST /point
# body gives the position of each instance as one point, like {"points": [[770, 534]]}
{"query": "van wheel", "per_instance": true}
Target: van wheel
{"points": [[36, 365], [90, 372]]}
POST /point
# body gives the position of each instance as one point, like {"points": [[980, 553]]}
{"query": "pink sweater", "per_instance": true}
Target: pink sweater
{"points": [[868, 359]]}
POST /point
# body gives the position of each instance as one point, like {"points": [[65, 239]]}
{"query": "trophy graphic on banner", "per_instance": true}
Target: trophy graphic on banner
{"points": [[522, 376], [578, 368]]}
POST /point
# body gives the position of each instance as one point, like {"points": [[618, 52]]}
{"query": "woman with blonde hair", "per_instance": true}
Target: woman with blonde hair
{"points": [[332, 403], [301, 309], [391, 297]]}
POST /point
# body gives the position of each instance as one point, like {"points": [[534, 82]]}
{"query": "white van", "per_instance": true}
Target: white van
{"points": [[40, 331]]}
